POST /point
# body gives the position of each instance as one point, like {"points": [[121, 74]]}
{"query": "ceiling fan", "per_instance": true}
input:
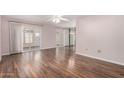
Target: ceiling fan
{"points": [[58, 18]]}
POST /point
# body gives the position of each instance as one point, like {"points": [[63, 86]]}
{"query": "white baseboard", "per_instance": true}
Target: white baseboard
{"points": [[47, 48], [106, 60], [5, 54], [26, 51]]}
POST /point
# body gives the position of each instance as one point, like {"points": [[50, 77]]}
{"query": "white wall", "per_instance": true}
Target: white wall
{"points": [[48, 37], [101, 37], [0, 38]]}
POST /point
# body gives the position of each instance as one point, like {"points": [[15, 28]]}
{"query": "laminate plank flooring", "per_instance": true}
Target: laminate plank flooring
{"points": [[57, 63]]}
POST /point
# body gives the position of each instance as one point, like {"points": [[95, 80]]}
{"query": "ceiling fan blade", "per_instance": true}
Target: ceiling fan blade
{"points": [[50, 19], [57, 19], [64, 19]]}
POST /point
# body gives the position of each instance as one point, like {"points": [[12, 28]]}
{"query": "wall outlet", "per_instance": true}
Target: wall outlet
{"points": [[99, 51]]}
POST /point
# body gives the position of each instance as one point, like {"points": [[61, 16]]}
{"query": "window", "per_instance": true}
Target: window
{"points": [[28, 37], [37, 34]]}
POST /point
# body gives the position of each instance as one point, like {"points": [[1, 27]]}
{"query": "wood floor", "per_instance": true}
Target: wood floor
{"points": [[56, 63]]}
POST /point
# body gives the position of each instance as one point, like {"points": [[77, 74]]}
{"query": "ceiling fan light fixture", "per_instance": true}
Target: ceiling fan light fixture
{"points": [[56, 20]]}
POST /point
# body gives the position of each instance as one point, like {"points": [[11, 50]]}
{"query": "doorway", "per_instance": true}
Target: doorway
{"points": [[72, 37], [66, 37], [60, 38]]}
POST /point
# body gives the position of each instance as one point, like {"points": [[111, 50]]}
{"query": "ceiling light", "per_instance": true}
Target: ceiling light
{"points": [[58, 19]]}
